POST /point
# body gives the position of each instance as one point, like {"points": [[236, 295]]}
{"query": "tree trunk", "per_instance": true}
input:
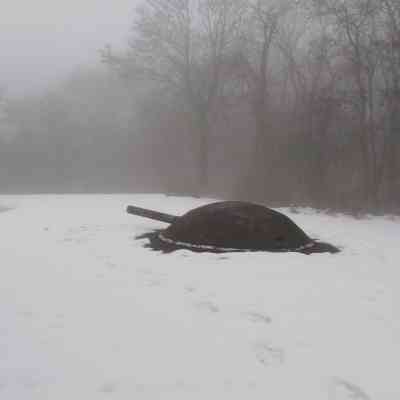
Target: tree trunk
{"points": [[202, 128], [203, 178]]}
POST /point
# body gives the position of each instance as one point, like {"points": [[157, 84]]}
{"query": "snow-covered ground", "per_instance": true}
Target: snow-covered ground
{"points": [[86, 312]]}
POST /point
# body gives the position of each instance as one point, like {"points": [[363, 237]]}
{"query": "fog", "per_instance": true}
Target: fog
{"points": [[281, 102], [42, 41]]}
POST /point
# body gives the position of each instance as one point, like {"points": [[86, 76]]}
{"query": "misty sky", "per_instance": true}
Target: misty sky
{"points": [[44, 40]]}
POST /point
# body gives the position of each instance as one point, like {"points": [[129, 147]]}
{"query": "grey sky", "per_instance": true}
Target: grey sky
{"points": [[44, 40]]}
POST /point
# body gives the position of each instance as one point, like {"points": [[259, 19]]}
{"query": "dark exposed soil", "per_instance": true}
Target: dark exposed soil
{"points": [[155, 243]]}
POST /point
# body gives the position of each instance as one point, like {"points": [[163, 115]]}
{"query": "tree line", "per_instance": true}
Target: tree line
{"points": [[282, 102]]}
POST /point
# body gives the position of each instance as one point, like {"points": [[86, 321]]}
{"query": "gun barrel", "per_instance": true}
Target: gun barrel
{"points": [[146, 213]]}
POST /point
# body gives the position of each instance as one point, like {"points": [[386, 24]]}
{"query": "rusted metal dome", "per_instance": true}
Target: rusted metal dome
{"points": [[230, 226]]}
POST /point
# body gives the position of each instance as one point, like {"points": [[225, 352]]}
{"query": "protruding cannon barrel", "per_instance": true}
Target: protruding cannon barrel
{"points": [[158, 216]]}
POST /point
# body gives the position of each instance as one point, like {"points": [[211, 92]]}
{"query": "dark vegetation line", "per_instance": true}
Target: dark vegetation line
{"points": [[280, 102]]}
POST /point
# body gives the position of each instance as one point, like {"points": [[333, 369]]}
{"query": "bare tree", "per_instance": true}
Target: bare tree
{"points": [[357, 31], [180, 48], [256, 59], [309, 59], [390, 64], [266, 17]]}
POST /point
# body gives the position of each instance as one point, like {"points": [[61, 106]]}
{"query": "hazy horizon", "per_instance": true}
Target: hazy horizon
{"points": [[196, 98], [46, 40]]}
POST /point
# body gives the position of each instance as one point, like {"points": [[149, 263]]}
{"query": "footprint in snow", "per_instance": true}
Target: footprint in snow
{"points": [[26, 314], [268, 355], [150, 278], [153, 282], [107, 262], [190, 289], [56, 325], [29, 383], [344, 390], [376, 295], [371, 299], [110, 265], [257, 317], [380, 290], [108, 388], [207, 306]]}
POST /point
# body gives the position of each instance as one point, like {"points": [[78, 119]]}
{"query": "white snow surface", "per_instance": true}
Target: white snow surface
{"points": [[87, 312]]}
